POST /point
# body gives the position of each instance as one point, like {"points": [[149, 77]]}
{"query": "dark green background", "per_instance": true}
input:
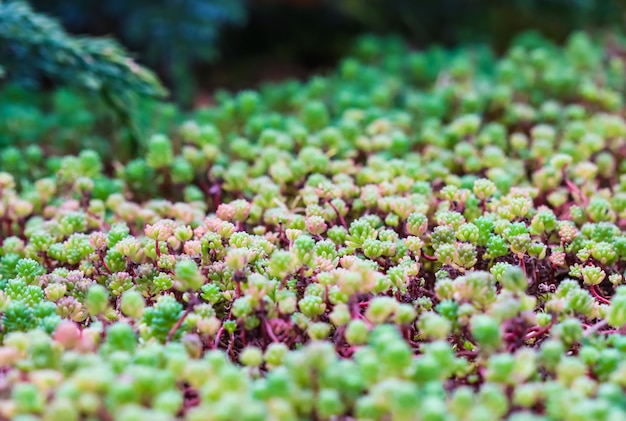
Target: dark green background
{"points": [[236, 43]]}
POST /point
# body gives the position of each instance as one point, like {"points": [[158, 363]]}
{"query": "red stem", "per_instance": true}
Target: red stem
{"points": [[218, 337], [573, 188], [339, 215], [539, 331], [178, 324], [158, 250], [595, 291], [270, 331], [104, 264], [594, 328], [231, 344]]}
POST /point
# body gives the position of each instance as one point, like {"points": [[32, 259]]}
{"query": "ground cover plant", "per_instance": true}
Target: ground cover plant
{"points": [[419, 235]]}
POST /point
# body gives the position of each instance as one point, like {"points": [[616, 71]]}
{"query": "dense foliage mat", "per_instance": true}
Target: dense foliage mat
{"points": [[432, 235]]}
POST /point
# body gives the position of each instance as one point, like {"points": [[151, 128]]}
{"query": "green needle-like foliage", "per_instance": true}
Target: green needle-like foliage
{"points": [[34, 47]]}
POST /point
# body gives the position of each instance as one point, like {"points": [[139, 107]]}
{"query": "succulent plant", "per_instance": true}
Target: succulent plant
{"points": [[377, 243]]}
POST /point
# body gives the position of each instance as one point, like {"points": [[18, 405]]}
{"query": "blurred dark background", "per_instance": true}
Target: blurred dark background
{"points": [[198, 45]]}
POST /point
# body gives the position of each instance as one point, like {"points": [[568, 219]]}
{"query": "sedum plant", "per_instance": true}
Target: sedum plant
{"points": [[418, 235]]}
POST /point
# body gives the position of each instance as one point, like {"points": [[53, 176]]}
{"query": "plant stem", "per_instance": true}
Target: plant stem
{"points": [[339, 215], [595, 291], [596, 327]]}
